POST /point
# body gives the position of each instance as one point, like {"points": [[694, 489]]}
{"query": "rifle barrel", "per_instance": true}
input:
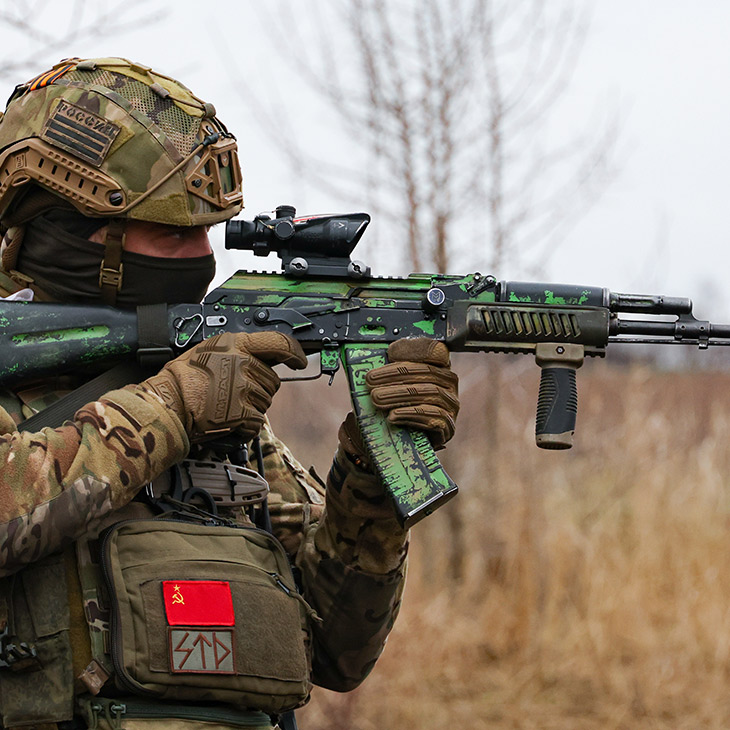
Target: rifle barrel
{"points": [[686, 328]]}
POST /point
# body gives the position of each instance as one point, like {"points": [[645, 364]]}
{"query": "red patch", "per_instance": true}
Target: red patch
{"points": [[198, 603]]}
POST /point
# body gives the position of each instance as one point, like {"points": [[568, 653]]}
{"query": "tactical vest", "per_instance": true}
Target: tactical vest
{"points": [[95, 622]]}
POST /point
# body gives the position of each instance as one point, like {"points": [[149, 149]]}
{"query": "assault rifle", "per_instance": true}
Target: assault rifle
{"points": [[335, 307]]}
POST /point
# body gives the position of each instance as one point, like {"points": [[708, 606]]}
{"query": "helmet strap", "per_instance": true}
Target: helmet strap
{"points": [[12, 238], [110, 274], [10, 246]]}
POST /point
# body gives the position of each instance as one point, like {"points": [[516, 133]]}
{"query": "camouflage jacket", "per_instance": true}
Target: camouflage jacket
{"points": [[60, 486]]}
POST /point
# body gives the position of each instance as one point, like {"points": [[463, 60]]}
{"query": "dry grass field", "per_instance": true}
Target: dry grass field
{"points": [[581, 589]]}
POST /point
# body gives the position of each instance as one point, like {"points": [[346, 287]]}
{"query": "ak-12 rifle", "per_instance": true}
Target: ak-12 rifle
{"points": [[335, 307]]}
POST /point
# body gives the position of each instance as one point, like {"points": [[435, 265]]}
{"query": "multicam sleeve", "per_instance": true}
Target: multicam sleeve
{"points": [[353, 570], [57, 484]]}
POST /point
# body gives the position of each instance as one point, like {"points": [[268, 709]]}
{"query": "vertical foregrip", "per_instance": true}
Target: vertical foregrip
{"points": [[403, 458], [557, 401], [557, 407]]}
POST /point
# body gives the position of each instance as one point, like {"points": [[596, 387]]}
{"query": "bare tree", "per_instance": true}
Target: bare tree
{"points": [[36, 35], [457, 107], [454, 103]]}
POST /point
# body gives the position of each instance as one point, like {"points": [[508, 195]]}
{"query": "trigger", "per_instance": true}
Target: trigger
{"points": [[329, 361]]}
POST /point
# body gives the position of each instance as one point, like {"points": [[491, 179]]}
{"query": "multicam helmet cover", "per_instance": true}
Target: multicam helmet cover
{"points": [[117, 139]]}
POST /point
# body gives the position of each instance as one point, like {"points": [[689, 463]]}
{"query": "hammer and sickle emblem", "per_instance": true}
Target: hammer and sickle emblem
{"points": [[177, 597]]}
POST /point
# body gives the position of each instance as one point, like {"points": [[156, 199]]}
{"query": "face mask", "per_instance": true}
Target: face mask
{"points": [[66, 266]]}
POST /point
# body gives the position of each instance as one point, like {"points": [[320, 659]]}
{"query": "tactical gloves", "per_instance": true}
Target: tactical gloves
{"points": [[417, 389], [226, 382]]}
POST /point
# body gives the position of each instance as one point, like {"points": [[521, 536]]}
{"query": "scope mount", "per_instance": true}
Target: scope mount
{"points": [[309, 246]]}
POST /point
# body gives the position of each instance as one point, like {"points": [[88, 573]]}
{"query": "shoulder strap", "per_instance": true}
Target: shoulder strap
{"points": [[64, 409]]}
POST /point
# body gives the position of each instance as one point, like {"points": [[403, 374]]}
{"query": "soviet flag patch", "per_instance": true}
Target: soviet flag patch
{"points": [[198, 612], [198, 602], [79, 131]]}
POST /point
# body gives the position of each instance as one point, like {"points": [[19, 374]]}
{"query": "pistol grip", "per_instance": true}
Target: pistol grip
{"points": [[403, 458]]}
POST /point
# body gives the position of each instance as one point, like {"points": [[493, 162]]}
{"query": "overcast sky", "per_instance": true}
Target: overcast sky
{"points": [[663, 224]]}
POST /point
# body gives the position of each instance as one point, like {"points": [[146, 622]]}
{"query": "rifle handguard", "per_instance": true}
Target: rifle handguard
{"points": [[557, 401]]}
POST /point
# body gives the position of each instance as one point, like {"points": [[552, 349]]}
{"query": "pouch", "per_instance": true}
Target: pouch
{"points": [[204, 612], [36, 602]]}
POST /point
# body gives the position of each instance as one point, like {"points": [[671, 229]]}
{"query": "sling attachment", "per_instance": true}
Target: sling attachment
{"points": [[153, 337], [186, 497], [210, 485], [230, 485]]}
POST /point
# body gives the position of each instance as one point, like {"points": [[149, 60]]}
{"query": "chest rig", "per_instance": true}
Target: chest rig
{"points": [[200, 599], [211, 506]]}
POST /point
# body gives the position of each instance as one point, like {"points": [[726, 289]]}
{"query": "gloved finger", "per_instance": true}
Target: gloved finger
{"points": [[250, 425], [254, 392], [350, 437], [419, 349], [438, 423], [412, 372], [257, 372], [399, 396], [273, 348]]}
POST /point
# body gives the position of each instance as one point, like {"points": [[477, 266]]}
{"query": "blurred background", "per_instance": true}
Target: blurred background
{"points": [[577, 142]]}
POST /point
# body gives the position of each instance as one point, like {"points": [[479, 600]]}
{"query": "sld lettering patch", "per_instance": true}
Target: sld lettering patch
{"points": [[80, 132], [201, 651]]}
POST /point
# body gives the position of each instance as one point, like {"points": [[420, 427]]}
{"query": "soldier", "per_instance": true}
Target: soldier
{"points": [[115, 610]]}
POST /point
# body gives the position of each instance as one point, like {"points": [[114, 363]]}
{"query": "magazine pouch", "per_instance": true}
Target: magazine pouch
{"points": [[205, 612]]}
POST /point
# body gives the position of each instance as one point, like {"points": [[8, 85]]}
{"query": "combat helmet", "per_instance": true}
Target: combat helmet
{"points": [[116, 139]]}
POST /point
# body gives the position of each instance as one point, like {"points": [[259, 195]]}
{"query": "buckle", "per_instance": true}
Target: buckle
{"points": [[111, 277], [230, 485], [16, 655]]}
